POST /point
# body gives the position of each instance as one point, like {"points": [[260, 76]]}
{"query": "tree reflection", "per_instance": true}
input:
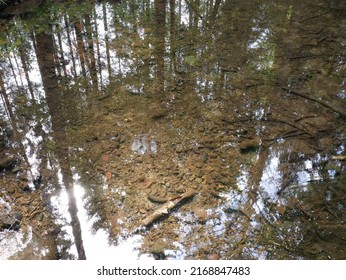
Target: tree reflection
{"points": [[232, 87], [54, 96]]}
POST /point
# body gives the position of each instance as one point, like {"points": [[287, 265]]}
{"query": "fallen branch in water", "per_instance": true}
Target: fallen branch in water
{"points": [[339, 157], [336, 110], [165, 208]]}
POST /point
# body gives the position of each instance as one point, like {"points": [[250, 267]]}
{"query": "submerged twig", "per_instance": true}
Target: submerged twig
{"points": [[165, 208], [336, 110], [339, 157]]}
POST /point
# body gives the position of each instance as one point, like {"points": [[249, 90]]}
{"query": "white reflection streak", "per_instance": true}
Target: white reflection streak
{"points": [[271, 178], [13, 242], [31, 144], [96, 244]]}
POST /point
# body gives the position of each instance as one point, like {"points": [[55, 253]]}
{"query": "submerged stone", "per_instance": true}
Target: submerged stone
{"points": [[249, 145]]}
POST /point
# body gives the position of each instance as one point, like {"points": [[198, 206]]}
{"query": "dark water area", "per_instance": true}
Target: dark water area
{"points": [[173, 129]]}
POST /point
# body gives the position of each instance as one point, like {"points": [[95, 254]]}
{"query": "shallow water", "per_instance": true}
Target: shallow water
{"points": [[112, 110]]}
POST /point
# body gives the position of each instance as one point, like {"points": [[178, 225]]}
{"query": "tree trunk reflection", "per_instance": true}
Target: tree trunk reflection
{"points": [[54, 96]]}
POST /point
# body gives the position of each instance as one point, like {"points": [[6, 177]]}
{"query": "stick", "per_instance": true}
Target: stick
{"points": [[339, 157], [164, 209], [343, 114]]}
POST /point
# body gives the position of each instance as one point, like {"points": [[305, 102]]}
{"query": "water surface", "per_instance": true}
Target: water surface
{"points": [[110, 110]]}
